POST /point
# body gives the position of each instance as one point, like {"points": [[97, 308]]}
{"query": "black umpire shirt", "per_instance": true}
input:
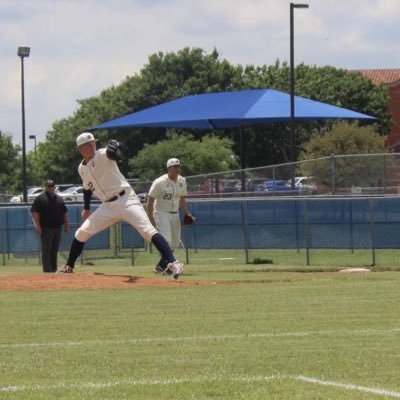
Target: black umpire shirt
{"points": [[51, 210]]}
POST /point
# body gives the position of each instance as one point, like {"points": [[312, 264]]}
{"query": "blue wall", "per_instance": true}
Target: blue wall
{"points": [[295, 223], [244, 223]]}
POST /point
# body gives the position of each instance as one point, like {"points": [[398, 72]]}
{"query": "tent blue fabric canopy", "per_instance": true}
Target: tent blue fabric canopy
{"points": [[229, 109]]}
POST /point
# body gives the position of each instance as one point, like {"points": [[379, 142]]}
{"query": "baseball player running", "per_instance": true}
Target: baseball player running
{"points": [[166, 195], [100, 174]]}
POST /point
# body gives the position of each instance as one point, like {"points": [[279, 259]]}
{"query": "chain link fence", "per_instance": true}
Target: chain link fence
{"points": [[340, 178], [357, 174]]}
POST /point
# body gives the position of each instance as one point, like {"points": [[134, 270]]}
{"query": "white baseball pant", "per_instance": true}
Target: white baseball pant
{"points": [[169, 225], [127, 208]]}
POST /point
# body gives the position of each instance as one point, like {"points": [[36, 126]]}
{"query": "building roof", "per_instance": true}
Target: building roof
{"points": [[385, 76]]}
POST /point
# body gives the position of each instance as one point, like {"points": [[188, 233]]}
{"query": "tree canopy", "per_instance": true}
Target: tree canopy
{"points": [[345, 139], [8, 162], [189, 71], [203, 156]]}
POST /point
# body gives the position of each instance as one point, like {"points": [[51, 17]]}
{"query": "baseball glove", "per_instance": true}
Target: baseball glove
{"points": [[66, 269], [188, 219], [114, 151]]}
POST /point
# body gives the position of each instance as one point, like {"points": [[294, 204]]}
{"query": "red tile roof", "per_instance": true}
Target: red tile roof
{"points": [[386, 76]]}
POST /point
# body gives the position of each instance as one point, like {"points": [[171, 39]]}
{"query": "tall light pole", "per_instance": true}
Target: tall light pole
{"points": [[22, 53], [292, 110], [34, 139]]}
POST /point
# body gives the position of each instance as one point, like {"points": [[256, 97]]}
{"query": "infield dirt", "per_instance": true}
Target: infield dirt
{"points": [[90, 281]]}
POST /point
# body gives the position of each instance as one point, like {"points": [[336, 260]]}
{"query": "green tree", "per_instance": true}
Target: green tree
{"points": [[9, 175], [166, 76], [270, 143], [191, 70], [203, 156], [345, 139]]}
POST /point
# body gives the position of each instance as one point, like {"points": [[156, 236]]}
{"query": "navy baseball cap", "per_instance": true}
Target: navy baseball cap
{"points": [[49, 182]]}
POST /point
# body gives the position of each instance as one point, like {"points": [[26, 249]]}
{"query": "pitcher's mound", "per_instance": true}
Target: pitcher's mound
{"points": [[90, 281]]}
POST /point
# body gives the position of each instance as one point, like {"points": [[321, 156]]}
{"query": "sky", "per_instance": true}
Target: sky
{"points": [[80, 47]]}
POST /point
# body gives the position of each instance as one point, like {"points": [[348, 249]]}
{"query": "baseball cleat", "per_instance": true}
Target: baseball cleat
{"points": [[177, 268], [66, 269], [158, 269]]}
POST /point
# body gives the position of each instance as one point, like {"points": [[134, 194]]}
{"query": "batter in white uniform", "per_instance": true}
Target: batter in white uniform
{"points": [[166, 196], [100, 174]]}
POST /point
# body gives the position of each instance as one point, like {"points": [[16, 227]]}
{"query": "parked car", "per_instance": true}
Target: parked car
{"points": [[250, 184], [32, 192], [228, 185], [74, 193], [198, 190], [305, 184], [60, 188], [279, 185]]}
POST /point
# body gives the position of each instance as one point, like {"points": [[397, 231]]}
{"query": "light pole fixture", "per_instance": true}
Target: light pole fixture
{"points": [[34, 139], [292, 79], [22, 53]]}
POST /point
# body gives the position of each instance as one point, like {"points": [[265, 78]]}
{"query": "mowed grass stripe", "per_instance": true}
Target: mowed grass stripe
{"points": [[318, 336], [358, 332], [176, 381]]}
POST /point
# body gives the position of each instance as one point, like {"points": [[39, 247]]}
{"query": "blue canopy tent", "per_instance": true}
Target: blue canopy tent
{"points": [[230, 109]]}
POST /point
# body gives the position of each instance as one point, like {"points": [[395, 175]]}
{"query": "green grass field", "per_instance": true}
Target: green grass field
{"points": [[273, 334]]}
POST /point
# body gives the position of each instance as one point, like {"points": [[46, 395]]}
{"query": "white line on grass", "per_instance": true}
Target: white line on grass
{"points": [[174, 381], [130, 382], [383, 392], [360, 332]]}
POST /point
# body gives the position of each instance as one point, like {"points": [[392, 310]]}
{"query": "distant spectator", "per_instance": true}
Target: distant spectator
{"points": [[50, 214]]}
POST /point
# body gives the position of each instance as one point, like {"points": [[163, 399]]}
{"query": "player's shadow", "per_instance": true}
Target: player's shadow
{"points": [[130, 278]]}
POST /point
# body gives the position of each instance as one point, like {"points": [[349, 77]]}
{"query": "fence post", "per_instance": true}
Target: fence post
{"points": [[372, 230], [185, 240], [133, 249], [384, 174], [3, 233], [296, 225], [116, 239], [306, 232], [245, 231], [333, 174], [351, 226]]}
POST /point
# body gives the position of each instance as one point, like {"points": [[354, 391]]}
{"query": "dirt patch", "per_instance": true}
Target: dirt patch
{"points": [[91, 281]]}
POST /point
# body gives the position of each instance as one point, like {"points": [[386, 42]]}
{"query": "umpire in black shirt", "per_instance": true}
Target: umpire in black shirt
{"points": [[50, 214]]}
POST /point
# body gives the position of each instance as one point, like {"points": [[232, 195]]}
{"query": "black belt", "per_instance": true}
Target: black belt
{"points": [[173, 212], [115, 197]]}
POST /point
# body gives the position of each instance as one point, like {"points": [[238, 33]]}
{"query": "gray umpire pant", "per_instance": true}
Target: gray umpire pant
{"points": [[50, 243]]}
